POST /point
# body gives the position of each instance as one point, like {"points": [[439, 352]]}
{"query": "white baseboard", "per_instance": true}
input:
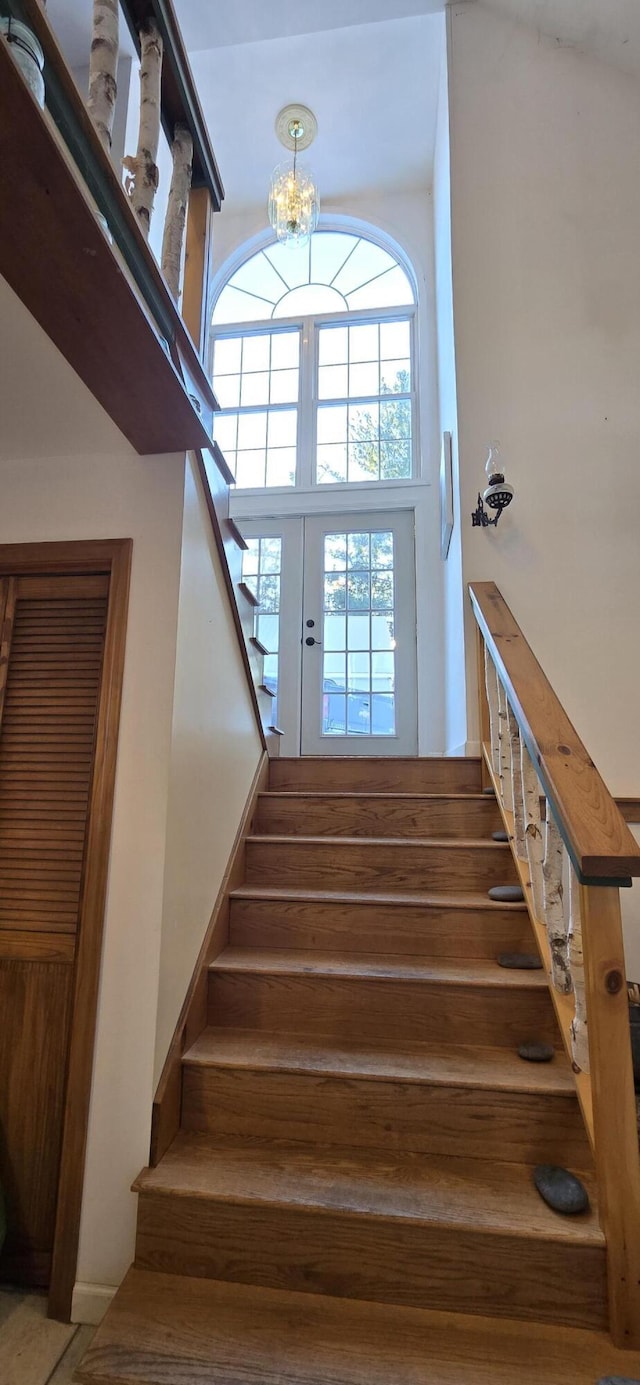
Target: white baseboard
{"points": [[90, 1302]]}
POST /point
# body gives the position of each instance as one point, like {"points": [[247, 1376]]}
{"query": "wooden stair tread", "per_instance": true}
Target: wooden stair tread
{"points": [[433, 1064], [453, 844], [477, 1194], [380, 794], [378, 967], [442, 900], [165, 1329]]}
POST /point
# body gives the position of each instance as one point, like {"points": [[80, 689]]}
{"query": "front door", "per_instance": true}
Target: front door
{"points": [[359, 636], [337, 613]]}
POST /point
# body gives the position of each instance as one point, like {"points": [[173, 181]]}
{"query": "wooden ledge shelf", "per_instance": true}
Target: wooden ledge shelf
{"points": [[60, 263]]}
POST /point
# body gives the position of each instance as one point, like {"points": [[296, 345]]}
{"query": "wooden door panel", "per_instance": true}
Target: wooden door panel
{"points": [[53, 632], [35, 1002]]}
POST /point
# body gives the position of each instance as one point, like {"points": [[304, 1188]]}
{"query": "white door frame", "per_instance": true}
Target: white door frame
{"points": [[291, 529], [405, 741]]}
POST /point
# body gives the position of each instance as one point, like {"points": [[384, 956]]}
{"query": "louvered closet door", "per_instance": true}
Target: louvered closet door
{"points": [[53, 632]]}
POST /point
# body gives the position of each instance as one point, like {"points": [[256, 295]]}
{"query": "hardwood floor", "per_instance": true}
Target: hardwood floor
{"points": [[350, 1196], [35, 1350]]}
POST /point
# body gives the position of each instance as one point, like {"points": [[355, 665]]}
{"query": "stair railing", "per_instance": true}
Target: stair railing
{"points": [[572, 859]]}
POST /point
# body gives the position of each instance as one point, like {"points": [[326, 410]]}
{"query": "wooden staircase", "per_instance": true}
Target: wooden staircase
{"points": [[350, 1196]]}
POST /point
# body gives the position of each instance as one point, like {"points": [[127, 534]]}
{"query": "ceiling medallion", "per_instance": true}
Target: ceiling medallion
{"points": [[294, 203]]}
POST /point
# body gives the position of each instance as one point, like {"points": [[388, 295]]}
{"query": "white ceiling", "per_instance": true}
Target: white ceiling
{"points": [[229, 22], [372, 87], [368, 69]]}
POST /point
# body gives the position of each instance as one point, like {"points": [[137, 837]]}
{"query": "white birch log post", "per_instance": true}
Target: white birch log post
{"points": [[554, 914], [504, 749], [141, 185], [176, 218], [533, 829], [491, 685], [579, 1030], [103, 68], [516, 786]]}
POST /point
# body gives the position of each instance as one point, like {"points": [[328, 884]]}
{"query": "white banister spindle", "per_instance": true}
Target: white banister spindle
{"points": [[504, 749], [533, 829], [491, 685], [579, 1031], [516, 785], [554, 913]]}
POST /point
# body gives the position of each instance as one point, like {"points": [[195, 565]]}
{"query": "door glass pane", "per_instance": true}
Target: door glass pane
{"points": [[359, 650], [261, 570]]}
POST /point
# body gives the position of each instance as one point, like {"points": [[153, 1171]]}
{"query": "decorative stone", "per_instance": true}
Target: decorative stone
{"points": [[500, 836], [490, 790], [618, 1380], [506, 894], [536, 1052], [561, 1190], [520, 961]]}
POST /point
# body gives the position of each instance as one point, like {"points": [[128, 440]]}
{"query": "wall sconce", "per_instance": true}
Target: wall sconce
{"points": [[498, 493]]}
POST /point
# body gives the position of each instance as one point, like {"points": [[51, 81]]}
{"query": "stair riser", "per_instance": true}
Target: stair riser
{"points": [[353, 1008], [372, 866], [354, 817], [389, 1115], [371, 928], [343, 775], [372, 1258]]}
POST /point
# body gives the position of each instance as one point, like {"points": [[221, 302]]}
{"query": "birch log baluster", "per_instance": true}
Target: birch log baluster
{"points": [[175, 221], [103, 66], [554, 912], [533, 829], [579, 1029], [504, 748], [142, 184], [491, 684], [516, 785]]}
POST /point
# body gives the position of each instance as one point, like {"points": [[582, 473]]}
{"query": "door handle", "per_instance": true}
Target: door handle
{"points": [[310, 640]]}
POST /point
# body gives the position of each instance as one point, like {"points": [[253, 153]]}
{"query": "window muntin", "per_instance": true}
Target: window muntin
{"points": [[256, 378], [364, 412], [328, 398], [337, 271], [358, 635]]}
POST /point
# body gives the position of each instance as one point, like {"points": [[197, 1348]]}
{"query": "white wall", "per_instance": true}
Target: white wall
{"points": [[408, 218], [546, 229], [67, 473], [215, 751], [453, 603]]}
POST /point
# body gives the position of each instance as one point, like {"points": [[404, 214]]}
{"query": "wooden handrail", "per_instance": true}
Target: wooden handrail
{"points": [[601, 847], [528, 743]]}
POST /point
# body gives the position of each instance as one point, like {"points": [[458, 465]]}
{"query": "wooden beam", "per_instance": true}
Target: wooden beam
{"points": [[597, 838], [197, 268]]}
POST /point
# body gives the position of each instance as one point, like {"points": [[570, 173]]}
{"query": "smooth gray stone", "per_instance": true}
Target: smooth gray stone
{"points": [[561, 1190], [536, 1052], [506, 894], [500, 836], [618, 1380], [520, 961]]}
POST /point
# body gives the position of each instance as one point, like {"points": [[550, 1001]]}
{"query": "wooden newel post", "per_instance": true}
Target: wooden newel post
{"points": [[614, 1106]]}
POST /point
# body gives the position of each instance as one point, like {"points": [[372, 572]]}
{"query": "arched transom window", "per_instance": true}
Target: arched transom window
{"points": [[324, 394]]}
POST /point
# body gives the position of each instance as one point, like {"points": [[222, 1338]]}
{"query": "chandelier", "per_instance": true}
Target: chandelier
{"points": [[294, 203]]}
